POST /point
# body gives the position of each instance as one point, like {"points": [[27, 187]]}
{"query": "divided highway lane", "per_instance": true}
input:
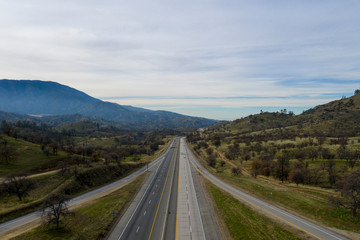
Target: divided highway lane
{"points": [[12, 225], [189, 222], [154, 211], [293, 220]]}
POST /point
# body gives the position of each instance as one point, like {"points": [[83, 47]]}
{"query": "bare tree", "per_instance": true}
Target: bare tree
{"points": [[19, 185], [55, 208], [312, 153], [350, 192], [63, 167]]}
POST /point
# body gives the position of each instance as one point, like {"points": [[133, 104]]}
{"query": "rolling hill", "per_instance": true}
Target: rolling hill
{"points": [[28, 97], [336, 118]]}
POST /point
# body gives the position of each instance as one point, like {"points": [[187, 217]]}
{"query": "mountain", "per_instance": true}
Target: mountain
{"points": [[50, 98], [336, 118]]}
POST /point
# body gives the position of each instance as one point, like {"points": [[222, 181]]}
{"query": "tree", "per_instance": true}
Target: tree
{"points": [[321, 140], [352, 158], [343, 152], [255, 168], [209, 151], [19, 185], [217, 141], [6, 127], [326, 154], [233, 151], [63, 168], [300, 154], [283, 165], [211, 160], [55, 147], [7, 152], [55, 208], [236, 170], [357, 91], [317, 175], [312, 153], [350, 192], [298, 176]]}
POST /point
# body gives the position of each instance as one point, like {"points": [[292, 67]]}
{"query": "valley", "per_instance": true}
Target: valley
{"points": [[290, 171]]}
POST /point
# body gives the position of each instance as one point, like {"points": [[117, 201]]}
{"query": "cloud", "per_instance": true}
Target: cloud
{"points": [[290, 52]]}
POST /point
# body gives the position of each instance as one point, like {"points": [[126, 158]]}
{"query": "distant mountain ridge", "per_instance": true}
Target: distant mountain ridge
{"points": [[50, 98]]}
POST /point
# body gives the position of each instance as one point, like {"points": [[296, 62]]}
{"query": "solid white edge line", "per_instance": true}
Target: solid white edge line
{"points": [[138, 204], [193, 187]]}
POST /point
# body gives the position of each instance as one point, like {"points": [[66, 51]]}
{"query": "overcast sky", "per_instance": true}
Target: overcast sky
{"points": [[218, 59]]}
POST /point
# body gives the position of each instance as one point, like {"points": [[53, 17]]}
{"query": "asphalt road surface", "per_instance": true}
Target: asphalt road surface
{"points": [[300, 223], [189, 222], [153, 212]]}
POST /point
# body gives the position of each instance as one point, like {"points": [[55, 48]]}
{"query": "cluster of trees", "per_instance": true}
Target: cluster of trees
{"points": [[289, 161], [51, 141], [309, 150], [79, 152], [17, 184], [298, 171]]}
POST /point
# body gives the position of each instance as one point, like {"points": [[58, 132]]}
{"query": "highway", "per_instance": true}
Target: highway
{"points": [[170, 205], [19, 223], [189, 222], [152, 215], [293, 220]]}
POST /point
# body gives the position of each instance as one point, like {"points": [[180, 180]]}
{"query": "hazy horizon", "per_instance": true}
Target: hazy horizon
{"points": [[216, 59]]}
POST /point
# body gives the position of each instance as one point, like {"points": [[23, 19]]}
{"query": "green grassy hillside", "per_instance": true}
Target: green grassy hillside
{"points": [[28, 157], [296, 161], [337, 118]]}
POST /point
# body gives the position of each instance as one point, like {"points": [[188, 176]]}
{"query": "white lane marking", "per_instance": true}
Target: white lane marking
{"points": [[138, 229], [240, 194], [144, 213], [191, 184], [139, 202], [150, 201]]}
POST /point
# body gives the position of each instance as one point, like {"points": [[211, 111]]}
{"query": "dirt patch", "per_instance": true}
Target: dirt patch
{"points": [[43, 173], [243, 171], [20, 230]]}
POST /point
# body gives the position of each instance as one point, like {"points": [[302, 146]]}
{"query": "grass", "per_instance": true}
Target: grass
{"points": [[244, 223], [45, 185], [308, 201], [30, 157], [92, 221], [11, 207]]}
